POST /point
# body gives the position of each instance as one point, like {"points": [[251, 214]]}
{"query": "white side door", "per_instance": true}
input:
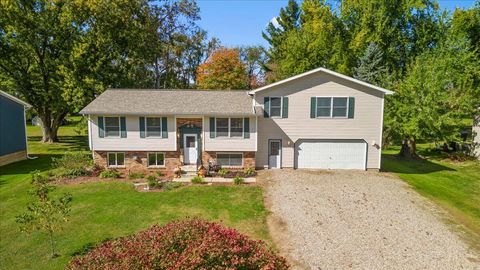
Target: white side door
{"points": [[274, 154], [190, 148]]}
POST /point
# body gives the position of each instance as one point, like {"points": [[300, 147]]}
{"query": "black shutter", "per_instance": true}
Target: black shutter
{"points": [[141, 121], [246, 128], [212, 127], [101, 131], [266, 107], [351, 107], [285, 107], [313, 107], [123, 127], [164, 127]]}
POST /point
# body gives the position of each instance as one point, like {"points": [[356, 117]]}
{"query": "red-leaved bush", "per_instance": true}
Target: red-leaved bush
{"points": [[185, 244]]}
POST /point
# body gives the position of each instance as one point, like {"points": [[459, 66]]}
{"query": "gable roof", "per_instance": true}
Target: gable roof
{"points": [[171, 102], [17, 100], [317, 70]]}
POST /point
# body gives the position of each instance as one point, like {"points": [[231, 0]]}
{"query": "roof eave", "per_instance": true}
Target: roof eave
{"points": [[25, 104], [331, 72]]}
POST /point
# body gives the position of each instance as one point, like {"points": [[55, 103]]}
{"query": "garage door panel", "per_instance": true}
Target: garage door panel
{"points": [[331, 154]]}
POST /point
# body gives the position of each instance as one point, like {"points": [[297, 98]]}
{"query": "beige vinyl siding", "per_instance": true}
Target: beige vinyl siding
{"points": [[476, 136], [229, 144], [365, 125], [133, 142]]}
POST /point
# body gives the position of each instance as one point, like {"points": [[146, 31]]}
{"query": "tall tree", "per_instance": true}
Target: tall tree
{"points": [[371, 67], [287, 20], [466, 23], [222, 70], [254, 59], [440, 89]]}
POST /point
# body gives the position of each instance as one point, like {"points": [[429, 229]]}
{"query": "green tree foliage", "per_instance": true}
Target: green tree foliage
{"points": [[371, 66], [57, 55], [45, 213], [440, 89], [466, 23]]}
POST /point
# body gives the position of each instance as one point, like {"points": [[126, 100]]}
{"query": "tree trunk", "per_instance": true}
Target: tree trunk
{"points": [[409, 148], [50, 127], [52, 244]]}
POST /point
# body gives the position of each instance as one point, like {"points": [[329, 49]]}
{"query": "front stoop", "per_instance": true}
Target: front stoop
{"points": [[214, 180]]}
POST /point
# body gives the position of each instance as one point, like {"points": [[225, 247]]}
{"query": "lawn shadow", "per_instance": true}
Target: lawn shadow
{"points": [[41, 162], [396, 164]]}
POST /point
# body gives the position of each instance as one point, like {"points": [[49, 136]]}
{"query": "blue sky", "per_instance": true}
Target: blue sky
{"points": [[240, 22]]}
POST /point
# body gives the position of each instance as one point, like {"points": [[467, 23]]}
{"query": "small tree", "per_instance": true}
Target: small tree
{"points": [[45, 213], [370, 67]]}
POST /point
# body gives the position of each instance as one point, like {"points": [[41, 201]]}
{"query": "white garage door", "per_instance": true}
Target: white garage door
{"points": [[331, 154]]}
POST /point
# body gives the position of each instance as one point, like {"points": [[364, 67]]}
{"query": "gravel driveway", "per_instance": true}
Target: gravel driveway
{"points": [[359, 220]]}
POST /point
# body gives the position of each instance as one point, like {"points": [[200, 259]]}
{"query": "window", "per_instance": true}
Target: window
{"points": [[153, 126], [229, 159], [112, 127], [229, 127], [222, 127], [236, 127], [275, 107], [324, 106], [336, 107], [339, 107], [156, 159], [116, 159]]}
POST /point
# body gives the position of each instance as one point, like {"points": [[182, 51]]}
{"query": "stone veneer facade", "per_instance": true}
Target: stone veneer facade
{"points": [[136, 161]]}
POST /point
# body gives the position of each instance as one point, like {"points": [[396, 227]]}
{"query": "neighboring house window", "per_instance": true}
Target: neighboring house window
{"points": [[275, 107], [153, 126], [332, 107], [222, 127], [229, 159], [156, 159], [116, 159], [112, 126], [229, 127]]}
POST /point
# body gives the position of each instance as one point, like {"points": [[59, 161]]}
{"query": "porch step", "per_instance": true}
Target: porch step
{"points": [[189, 170]]}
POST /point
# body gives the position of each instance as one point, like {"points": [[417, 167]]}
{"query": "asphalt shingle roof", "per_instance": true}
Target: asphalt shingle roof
{"points": [[170, 102]]}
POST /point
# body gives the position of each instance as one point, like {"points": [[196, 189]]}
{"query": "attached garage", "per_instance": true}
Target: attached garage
{"points": [[331, 154]]}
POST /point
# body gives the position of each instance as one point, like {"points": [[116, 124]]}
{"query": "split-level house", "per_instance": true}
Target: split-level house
{"points": [[318, 120]]}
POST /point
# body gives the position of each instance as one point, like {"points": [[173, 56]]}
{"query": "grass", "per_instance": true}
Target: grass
{"points": [[455, 186], [112, 209]]}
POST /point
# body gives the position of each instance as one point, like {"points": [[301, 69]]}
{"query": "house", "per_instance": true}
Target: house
{"points": [[13, 136], [476, 136], [318, 119]]}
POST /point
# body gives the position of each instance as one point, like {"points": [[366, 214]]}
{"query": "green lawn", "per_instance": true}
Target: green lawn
{"points": [[106, 210], [455, 186]]}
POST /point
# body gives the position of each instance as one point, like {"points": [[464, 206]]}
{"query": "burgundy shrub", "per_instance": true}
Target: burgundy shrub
{"points": [[185, 244]]}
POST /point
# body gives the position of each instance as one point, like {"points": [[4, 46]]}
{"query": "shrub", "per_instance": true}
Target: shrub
{"points": [[223, 172], [73, 164], [152, 181], [160, 173], [186, 244], [108, 173], [172, 185], [136, 175], [249, 171], [238, 180], [197, 180]]}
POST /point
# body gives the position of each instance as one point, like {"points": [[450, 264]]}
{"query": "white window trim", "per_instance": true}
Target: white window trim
{"points": [[116, 160], [270, 107], [331, 107], [229, 136], [156, 160], [230, 153], [105, 125], [146, 127]]}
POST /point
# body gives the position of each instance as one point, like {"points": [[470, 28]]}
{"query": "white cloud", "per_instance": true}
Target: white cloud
{"points": [[275, 23]]}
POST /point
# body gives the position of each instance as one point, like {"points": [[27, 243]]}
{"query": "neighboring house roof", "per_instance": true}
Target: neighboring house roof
{"points": [[333, 73], [19, 101], [171, 102]]}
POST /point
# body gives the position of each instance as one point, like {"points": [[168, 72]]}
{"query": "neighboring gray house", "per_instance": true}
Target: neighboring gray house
{"points": [[319, 119], [476, 136], [13, 136]]}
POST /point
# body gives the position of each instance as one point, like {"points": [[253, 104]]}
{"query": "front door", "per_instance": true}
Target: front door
{"points": [[274, 154], [190, 150]]}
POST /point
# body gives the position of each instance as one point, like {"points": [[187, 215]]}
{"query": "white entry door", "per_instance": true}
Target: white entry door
{"points": [[332, 154], [274, 154], [190, 148]]}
